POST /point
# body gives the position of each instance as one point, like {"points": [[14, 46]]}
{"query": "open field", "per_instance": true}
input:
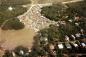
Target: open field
{"points": [[47, 1], [20, 37]]}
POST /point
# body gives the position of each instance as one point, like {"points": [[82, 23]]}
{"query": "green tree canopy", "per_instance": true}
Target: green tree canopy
{"points": [[15, 2], [78, 7], [7, 54], [17, 10], [53, 12], [18, 49], [11, 9], [58, 32], [59, 12], [52, 33], [13, 23], [68, 28]]}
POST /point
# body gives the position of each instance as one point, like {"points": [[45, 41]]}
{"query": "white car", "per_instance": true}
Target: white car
{"points": [[60, 46], [74, 44], [68, 46], [83, 44]]}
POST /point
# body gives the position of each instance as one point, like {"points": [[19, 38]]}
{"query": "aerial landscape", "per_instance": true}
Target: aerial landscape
{"points": [[42, 28]]}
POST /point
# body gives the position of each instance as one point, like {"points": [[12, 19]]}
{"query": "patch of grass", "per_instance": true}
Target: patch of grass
{"points": [[17, 10], [15, 2]]}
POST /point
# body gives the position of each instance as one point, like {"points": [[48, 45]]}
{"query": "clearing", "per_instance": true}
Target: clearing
{"points": [[13, 38]]}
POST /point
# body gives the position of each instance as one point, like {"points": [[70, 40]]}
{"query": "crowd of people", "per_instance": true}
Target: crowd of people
{"points": [[34, 20], [74, 44]]}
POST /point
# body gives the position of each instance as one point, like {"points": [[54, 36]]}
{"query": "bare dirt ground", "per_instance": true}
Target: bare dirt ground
{"points": [[47, 1], [19, 37]]}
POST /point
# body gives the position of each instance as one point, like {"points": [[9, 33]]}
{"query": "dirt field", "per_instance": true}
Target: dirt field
{"points": [[20, 37], [47, 1]]}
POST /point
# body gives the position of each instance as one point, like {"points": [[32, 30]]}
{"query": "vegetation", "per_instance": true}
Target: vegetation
{"points": [[54, 34], [68, 29], [7, 54], [16, 11], [58, 33], [13, 23], [15, 2], [18, 50], [59, 12], [70, 20], [10, 10], [59, 53], [2, 20], [6, 14], [53, 12], [78, 7], [38, 52]]}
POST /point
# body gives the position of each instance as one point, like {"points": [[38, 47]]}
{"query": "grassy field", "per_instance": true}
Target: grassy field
{"points": [[20, 37]]}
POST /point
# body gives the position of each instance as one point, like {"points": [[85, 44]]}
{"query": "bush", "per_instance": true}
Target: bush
{"points": [[58, 12], [78, 7], [2, 20], [52, 33], [17, 10], [68, 29], [13, 24], [7, 54], [15, 2], [19, 48], [53, 12]]}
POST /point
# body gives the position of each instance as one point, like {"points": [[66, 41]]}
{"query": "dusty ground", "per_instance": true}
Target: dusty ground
{"points": [[20, 37], [47, 1]]}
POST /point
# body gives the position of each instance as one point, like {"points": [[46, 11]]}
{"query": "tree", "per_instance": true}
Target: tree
{"points": [[16, 11], [41, 52], [59, 12], [68, 28], [78, 7], [53, 12], [11, 10], [13, 23], [15, 2], [2, 20], [21, 51], [7, 54], [59, 53], [52, 33]]}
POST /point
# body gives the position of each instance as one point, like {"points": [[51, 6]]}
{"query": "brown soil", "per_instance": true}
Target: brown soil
{"points": [[14, 38]]}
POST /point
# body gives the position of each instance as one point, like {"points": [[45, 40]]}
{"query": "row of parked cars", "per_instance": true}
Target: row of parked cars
{"points": [[73, 47], [77, 36]]}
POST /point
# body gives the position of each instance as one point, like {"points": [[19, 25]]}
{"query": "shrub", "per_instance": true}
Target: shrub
{"points": [[19, 48], [13, 24], [53, 12]]}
